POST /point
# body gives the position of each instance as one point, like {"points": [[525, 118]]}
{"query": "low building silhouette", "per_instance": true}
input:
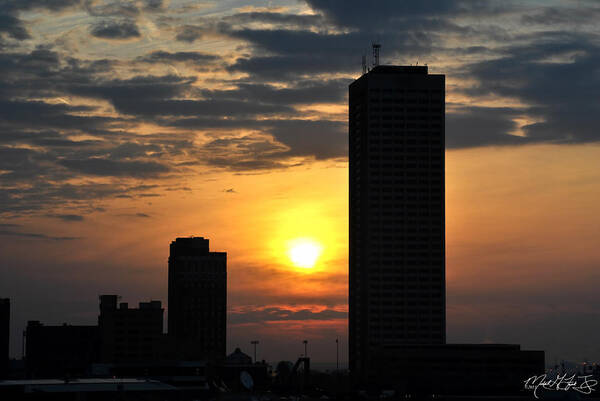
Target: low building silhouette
{"points": [[59, 351], [130, 334], [238, 362], [465, 369], [4, 336], [185, 375], [88, 389]]}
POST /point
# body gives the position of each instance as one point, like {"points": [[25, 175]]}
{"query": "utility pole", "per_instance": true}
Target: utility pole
{"points": [[305, 349], [254, 342]]}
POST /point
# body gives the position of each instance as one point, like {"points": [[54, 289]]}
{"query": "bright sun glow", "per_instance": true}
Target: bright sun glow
{"points": [[304, 252]]}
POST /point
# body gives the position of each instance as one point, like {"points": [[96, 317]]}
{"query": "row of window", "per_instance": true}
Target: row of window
{"points": [[422, 126], [402, 90], [390, 294], [407, 100]]}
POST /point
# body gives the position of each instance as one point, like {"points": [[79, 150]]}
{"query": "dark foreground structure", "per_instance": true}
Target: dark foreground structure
{"points": [[4, 336], [397, 302], [197, 300], [88, 390], [130, 334], [397, 242], [465, 369], [60, 351]]}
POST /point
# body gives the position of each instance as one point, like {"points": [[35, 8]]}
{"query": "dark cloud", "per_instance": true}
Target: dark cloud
{"points": [[108, 29], [236, 22], [552, 16], [289, 21], [294, 50], [243, 164], [251, 152], [112, 8], [122, 8], [17, 163], [40, 195], [282, 68], [133, 89], [62, 159], [189, 33], [13, 26], [45, 115], [136, 215], [282, 54], [274, 143], [354, 13], [482, 126], [159, 98], [307, 91], [311, 44], [154, 5], [160, 56], [43, 73], [104, 167], [213, 108], [28, 235], [556, 75], [67, 217], [297, 42], [320, 139], [129, 150], [38, 62], [10, 9], [52, 5]]}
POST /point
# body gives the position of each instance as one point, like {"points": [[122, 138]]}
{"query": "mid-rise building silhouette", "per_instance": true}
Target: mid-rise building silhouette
{"points": [[397, 212], [197, 300], [130, 334], [4, 335], [59, 351]]}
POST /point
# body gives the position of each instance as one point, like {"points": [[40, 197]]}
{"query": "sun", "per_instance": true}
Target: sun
{"points": [[304, 252]]}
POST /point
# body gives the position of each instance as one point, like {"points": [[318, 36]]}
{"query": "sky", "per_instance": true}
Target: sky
{"points": [[126, 124]]}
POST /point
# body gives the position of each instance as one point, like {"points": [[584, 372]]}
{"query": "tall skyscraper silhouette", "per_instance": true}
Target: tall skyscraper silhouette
{"points": [[397, 212], [197, 300]]}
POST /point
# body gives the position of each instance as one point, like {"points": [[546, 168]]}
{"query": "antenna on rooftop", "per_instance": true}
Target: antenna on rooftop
{"points": [[376, 48], [364, 64]]}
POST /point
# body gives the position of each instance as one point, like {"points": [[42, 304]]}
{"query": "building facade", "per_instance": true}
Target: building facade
{"points": [[197, 300], [130, 334], [465, 369], [397, 212], [4, 335], [63, 351]]}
